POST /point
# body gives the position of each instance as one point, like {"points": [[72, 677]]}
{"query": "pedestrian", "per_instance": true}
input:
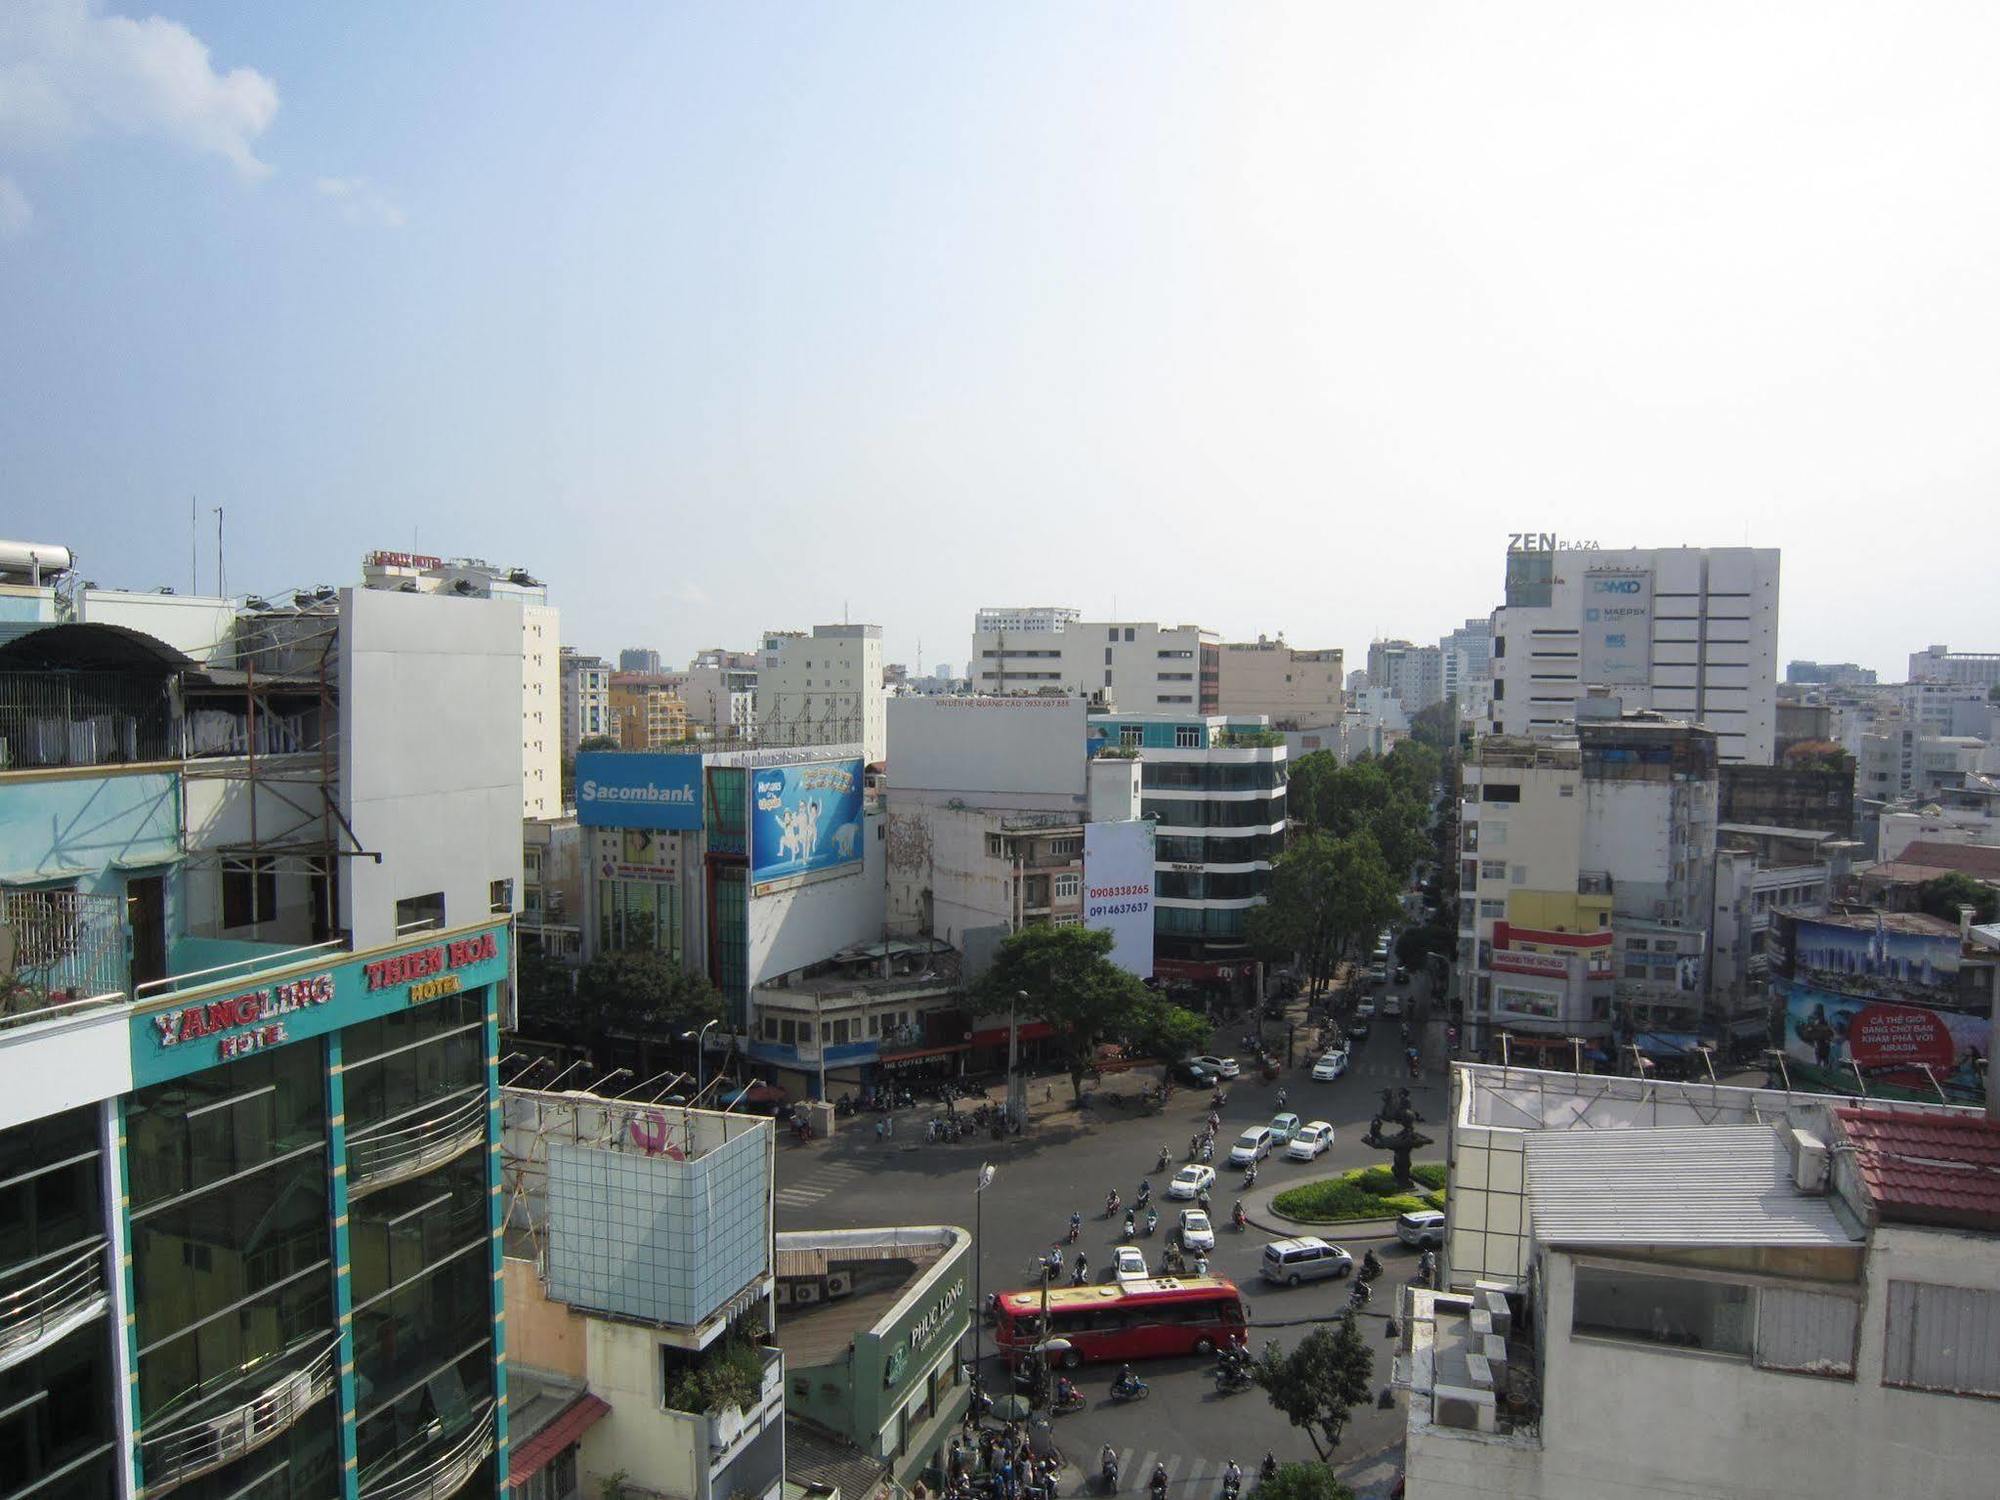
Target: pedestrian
{"points": [[879, 1132], [890, 1121]]}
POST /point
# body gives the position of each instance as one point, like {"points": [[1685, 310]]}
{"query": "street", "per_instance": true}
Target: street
{"points": [[1067, 1163]]}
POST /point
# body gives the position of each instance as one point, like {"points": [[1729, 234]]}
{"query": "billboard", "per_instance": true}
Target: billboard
{"points": [[1118, 889], [637, 854], [1617, 626], [638, 789], [805, 822]]}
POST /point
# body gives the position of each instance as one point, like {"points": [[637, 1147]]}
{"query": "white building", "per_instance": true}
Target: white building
{"points": [[721, 694], [824, 688], [541, 636], [1411, 673], [1033, 619], [1466, 656], [1942, 664], [1689, 632], [1691, 1290], [1290, 687], [1140, 667], [586, 699]]}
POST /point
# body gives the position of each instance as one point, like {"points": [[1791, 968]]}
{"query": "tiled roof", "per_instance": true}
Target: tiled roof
{"points": [[524, 1459], [816, 1458], [1927, 1168], [1980, 860]]}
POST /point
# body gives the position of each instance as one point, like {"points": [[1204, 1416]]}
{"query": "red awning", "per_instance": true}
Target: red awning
{"points": [[524, 1460], [1030, 1030], [919, 1052]]}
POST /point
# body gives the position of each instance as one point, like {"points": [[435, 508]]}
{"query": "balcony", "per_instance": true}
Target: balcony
{"points": [[36, 1313], [382, 1157], [199, 1447], [61, 952], [1594, 883], [437, 1465]]}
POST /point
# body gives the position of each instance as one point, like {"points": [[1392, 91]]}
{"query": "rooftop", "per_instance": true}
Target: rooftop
{"points": [[1704, 1186], [1982, 861], [821, 1333], [818, 1461], [1936, 1169]]}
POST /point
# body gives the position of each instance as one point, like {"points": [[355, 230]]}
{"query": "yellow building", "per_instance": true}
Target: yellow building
{"points": [[650, 713]]}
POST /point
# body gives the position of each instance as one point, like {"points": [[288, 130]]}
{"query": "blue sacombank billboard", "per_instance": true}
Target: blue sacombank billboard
{"points": [[805, 821], [638, 789]]}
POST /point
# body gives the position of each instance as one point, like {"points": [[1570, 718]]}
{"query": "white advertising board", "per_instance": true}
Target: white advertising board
{"points": [[1118, 889], [1617, 626]]}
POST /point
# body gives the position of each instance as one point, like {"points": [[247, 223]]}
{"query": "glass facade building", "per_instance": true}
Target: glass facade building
{"points": [[267, 1268]]}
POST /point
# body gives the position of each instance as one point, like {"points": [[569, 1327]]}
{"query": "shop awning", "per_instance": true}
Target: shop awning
{"points": [[1667, 1042], [1030, 1031], [526, 1459]]}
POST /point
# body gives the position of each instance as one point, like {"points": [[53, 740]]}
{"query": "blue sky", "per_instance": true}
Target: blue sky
{"points": [[738, 316]]}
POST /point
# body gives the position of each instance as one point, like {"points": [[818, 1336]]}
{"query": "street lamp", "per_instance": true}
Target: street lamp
{"points": [[699, 1038]]}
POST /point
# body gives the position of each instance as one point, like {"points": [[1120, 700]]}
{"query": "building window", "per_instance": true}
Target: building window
{"points": [[1130, 736], [1066, 919], [1500, 792], [1128, 632], [1493, 869], [249, 891], [1187, 737], [996, 846], [500, 897], [1680, 1312], [1113, 633], [1067, 886], [1066, 846]]}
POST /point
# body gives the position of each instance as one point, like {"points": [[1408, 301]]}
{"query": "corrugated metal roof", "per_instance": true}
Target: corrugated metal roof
{"points": [[1717, 1185]]}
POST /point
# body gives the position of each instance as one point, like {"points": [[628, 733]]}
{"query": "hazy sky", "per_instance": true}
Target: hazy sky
{"points": [[729, 316]]}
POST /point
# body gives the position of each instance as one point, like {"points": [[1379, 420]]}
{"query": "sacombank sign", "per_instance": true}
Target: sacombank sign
{"points": [[638, 789]]}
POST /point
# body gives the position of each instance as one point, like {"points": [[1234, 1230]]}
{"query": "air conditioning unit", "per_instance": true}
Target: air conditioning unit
{"points": [[784, 1294], [805, 1291], [839, 1284]]}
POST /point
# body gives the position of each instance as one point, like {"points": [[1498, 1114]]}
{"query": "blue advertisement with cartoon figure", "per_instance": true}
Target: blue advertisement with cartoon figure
{"points": [[805, 822]]}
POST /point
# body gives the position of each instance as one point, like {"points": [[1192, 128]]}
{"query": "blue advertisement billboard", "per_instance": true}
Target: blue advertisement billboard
{"points": [[638, 789], [805, 821]]}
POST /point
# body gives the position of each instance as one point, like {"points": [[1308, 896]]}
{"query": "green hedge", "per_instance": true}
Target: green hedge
{"points": [[1364, 1193]]}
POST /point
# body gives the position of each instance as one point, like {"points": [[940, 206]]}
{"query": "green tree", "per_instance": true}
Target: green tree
{"points": [[1303, 1482], [1317, 1385], [546, 989], [1071, 983], [596, 742], [643, 993], [1167, 1031], [1943, 897], [1436, 726], [1326, 891], [1387, 798]]}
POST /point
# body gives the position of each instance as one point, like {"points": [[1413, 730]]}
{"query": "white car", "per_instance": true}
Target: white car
{"points": [[1392, 1007], [1190, 1181], [1309, 1141], [1219, 1067], [1252, 1146], [1130, 1265], [1331, 1066], [1196, 1232]]}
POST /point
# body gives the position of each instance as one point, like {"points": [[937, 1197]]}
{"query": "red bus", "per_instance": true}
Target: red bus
{"points": [[1131, 1320]]}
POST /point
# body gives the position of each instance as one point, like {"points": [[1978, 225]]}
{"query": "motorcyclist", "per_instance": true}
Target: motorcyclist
{"points": [[1075, 1227], [1165, 1160], [1201, 1198], [1152, 1220], [1371, 1266], [1145, 1191], [1427, 1267], [1269, 1468], [1236, 1215], [1214, 1122], [1200, 1263], [1130, 1225], [1065, 1390], [1250, 1175], [1080, 1272], [1111, 1203], [1232, 1479], [1158, 1483], [1126, 1379], [1107, 1465], [1281, 1098]]}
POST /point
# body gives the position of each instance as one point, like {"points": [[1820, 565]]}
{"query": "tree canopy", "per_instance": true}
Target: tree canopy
{"points": [[1326, 891], [1303, 1482], [1389, 798], [1436, 727], [1069, 980], [1943, 897], [643, 993], [1320, 1382]]}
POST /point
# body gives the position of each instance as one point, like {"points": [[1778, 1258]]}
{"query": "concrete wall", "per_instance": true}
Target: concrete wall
{"points": [[217, 813], [59, 825], [202, 628], [664, 1451], [1115, 788], [430, 753], [57, 1065], [541, 711], [1289, 686], [792, 928], [541, 1334]]}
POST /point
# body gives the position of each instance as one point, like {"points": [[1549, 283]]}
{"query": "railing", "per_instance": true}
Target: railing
{"points": [[202, 1446], [383, 1157], [276, 958], [45, 1309], [445, 1474], [57, 947], [30, 1013], [90, 718]]}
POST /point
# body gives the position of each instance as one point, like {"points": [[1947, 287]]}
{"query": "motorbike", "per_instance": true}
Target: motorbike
{"points": [[1157, 1485], [1207, 1150], [1138, 1390], [1268, 1470], [1067, 1401], [1145, 1194], [1237, 1218], [1075, 1228], [1164, 1162], [1370, 1267], [1080, 1272], [1112, 1202], [1130, 1226], [1232, 1486], [1152, 1220], [1358, 1295], [844, 1105], [1250, 1175], [1232, 1375], [1107, 1474]]}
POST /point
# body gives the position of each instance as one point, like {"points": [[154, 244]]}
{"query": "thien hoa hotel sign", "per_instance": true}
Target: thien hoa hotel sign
{"points": [[418, 968], [243, 1023]]}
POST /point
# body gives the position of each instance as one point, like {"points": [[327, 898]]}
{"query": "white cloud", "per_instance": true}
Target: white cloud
{"points": [[68, 72], [15, 214], [361, 202]]}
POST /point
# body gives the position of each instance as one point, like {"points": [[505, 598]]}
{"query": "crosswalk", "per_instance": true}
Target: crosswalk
{"points": [[816, 1184], [1189, 1477]]}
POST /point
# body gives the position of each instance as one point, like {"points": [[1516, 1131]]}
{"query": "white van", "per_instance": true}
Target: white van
{"points": [[1308, 1258], [1253, 1145]]}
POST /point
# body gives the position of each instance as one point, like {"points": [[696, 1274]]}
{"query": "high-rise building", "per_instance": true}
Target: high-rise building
{"points": [[823, 689], [250, 1132], [639, 659], [1942, 664], [721, 693], [1690, 632], [1586, 885], [1412, 674], [1465, 657], [1140, 667], [1290, 687], [541, 638], [1832, 673], [648, 709], [586, 700], [1215, 790]]}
